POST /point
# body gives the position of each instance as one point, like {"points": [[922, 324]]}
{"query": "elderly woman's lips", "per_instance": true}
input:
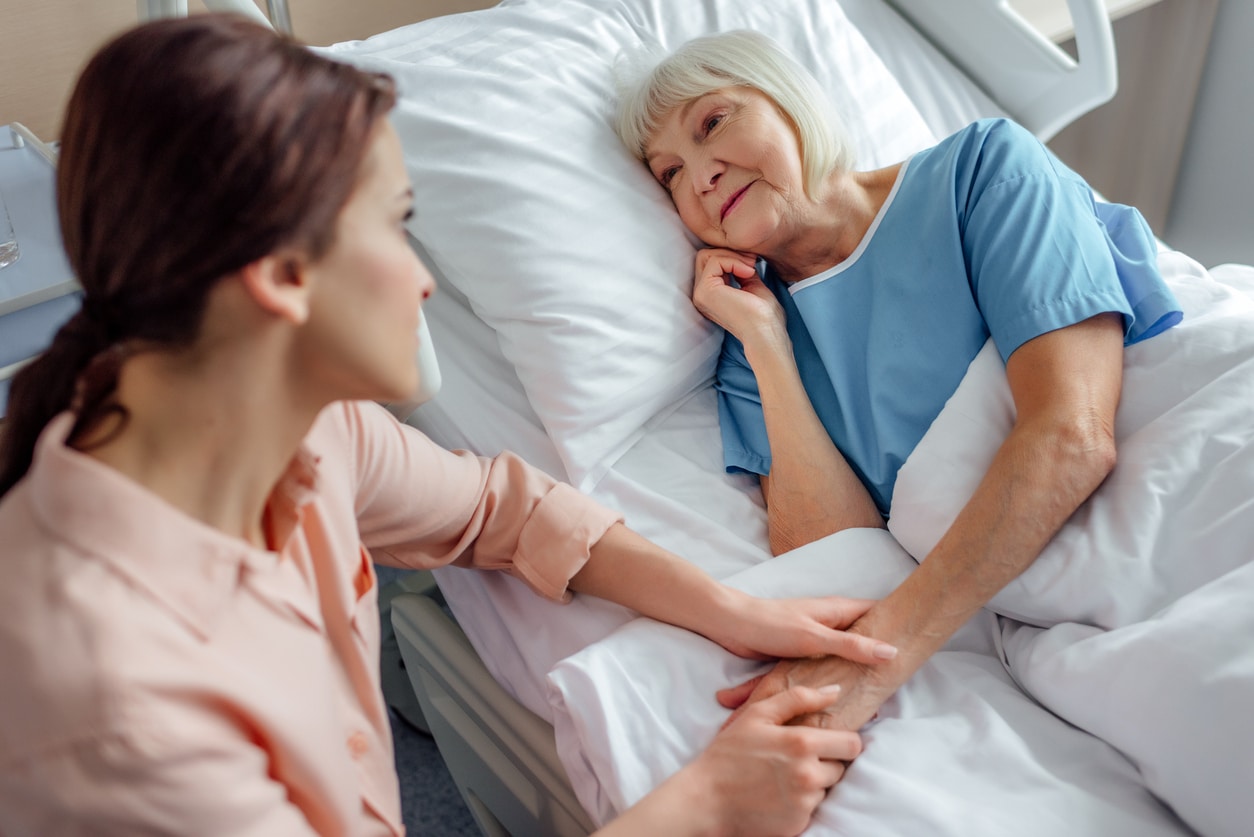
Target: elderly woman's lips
{"points": [[732, 201]]}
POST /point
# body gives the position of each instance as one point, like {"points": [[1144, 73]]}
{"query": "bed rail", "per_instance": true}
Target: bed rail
{"points": [[501, 755], [1040, 85]]}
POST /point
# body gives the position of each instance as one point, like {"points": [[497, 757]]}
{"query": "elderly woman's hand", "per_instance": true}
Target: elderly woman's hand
{"points": [[864, 688], [749, 311]]}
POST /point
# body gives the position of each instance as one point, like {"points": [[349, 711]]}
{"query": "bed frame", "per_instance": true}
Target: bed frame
{"points": [[501, 755], [1037, 83]]}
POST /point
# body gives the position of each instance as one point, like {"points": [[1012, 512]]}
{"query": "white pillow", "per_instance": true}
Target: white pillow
{"points": [[560, 240]]}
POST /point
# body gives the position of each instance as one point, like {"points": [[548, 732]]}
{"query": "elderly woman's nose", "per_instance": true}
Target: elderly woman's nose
{"points": [[707, 177]]}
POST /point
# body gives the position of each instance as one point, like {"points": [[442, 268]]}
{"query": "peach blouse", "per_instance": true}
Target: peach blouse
{"points": [[163, 677]]}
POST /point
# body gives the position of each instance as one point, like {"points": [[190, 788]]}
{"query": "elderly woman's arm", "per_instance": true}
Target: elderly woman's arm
{"points": [[811, 491], [1066, 386]]}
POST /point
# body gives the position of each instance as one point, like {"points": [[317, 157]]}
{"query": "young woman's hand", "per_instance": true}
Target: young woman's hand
{"points": [[761, 775], [745, 311], [813, 627]]}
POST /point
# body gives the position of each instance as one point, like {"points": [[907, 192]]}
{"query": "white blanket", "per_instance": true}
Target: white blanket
{"points": [[1145, 599], [1136, 626]]}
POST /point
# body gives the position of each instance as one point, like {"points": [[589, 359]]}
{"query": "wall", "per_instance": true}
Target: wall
{"points": [[42, 47], [44, 43], [1212, 213]]}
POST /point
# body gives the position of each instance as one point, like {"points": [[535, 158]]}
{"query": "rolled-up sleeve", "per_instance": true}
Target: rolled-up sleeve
{"points": [[421, 506]]}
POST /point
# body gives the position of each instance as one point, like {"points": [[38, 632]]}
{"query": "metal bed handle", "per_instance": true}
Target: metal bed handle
{"points": [[278, 17], [1039, 84]]}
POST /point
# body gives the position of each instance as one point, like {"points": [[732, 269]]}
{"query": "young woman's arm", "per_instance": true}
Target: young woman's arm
{"points": [[420, 506], [626, 568]]}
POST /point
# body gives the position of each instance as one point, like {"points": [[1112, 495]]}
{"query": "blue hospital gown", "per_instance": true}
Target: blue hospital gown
{"points": [[985, 234]]}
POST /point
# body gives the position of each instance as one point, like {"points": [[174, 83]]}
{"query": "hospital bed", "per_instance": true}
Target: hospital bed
{"points": [[565, 334]]}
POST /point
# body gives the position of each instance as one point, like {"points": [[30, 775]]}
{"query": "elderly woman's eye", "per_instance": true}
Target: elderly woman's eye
{"points": [[711, 122], [667, 175]]}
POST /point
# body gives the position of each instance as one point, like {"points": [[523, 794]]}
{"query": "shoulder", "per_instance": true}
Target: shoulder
{"points": [[1010, 151], [998, 147], [995, 135], [998, 159], [350, 438], [70, 628]]}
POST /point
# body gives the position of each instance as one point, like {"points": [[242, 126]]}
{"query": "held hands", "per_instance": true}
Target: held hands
{"points": [[863, 689], [743, 311]]}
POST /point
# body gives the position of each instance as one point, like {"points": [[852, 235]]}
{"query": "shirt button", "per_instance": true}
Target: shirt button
{"points": [[358, 744]]}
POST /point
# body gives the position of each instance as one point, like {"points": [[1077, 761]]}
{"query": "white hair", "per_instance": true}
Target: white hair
{"points": [[652, 85]]}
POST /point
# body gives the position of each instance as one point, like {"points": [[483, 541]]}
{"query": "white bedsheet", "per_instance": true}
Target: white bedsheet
{"points": [[1146, 637], [960, 750]]}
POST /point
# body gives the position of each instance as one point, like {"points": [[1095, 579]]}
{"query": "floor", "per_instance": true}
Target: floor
{"points": [[430, 802]]}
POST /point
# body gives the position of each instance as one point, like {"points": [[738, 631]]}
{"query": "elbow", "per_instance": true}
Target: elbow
{"points": [[783, 537], [1087, 445], [1107, 456], [1103, 458], [779, 543]]}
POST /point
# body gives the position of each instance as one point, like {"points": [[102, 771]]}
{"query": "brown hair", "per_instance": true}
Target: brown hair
{"points": [[191, 148]]}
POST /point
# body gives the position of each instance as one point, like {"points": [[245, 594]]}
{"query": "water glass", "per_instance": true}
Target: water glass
{"points": [[9, 251]]}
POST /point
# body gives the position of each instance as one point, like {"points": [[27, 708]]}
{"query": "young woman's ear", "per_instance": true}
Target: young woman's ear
{"points": [[280, 285]]}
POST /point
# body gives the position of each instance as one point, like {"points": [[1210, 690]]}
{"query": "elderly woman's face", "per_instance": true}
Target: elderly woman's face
{"points": [[732, 164]]}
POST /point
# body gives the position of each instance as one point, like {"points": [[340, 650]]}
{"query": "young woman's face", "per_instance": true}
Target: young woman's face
{"points": [[732, 164], [369, 287]]}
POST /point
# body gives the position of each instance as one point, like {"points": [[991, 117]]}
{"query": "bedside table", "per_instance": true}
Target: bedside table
{"points": [[1129, 149]]}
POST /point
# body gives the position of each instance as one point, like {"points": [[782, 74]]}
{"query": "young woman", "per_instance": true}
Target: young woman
{"points": [[195, 482]]}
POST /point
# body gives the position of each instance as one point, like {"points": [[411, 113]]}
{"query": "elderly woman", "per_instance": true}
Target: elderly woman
{"points": [[853, 303], [194, 480]]}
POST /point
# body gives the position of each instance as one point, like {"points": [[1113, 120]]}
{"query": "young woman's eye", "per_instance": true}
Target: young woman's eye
{"points": [[668, 176]]}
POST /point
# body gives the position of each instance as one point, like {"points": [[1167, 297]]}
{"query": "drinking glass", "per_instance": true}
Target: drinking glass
{"points": [[9, 251]]}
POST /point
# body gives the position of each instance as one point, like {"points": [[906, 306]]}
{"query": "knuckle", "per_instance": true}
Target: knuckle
{"points": [[797, 745], [852, 744], [810, 776]]}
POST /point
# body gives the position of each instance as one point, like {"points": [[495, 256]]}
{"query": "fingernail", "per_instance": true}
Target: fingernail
{"points": [[830, 688], [884, 651]]}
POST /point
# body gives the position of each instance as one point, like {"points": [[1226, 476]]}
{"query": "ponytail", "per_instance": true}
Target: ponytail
{"points": [[78, 371], [191, 148]]}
